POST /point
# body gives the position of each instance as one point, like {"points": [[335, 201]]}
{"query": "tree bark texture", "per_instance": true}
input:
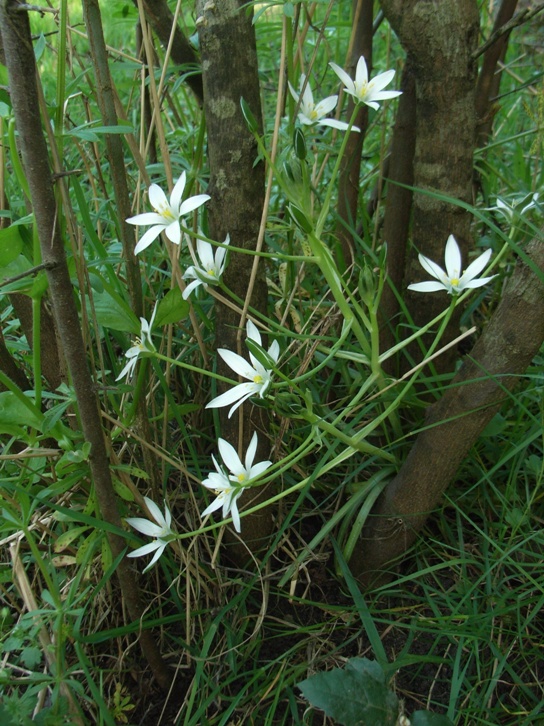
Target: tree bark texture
{"points": [[398, 212], [15, 31], [230, 72], [440, 38], [453, 424]]}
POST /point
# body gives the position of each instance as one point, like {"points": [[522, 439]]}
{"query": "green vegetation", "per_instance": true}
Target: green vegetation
{"points": [[456, 628]]}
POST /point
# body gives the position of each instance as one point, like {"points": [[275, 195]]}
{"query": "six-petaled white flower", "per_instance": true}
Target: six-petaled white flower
{"points": [[452, 280], [229, 487], [167, 213], [363, 90], [311, 114], [160, 530], [142, 345], [210, 269], [255, 372], [517, 207]]}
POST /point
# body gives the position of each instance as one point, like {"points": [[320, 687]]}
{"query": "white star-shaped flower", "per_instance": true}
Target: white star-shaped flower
{"points": [[210, 269], [228, 488], [311, 114], [142, 345], [255, 372], [452, 280], [167, 213], [517, 207], [160, 530], [363, 90]]}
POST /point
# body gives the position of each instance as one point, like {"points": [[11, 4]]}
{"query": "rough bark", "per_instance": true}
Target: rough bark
{"points": [[398, 210], [348, 181], [441, 38], [453, 424], [22, 71], [229, 68], [161, 19]]}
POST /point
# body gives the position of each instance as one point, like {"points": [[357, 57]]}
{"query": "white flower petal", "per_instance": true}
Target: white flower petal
{"points": [[250, 453], [193, 203], [259, 468], [334, 124], [238, 364], [326, 106], [214, 506], [146, 549], [190, 287], [253, 332], [146, 218], [452, 258], [426, 286], [144, 526], [156, 513], [274, 351], [479, 282], [240, 393], [230, 457], [343, 76], [177, 192], [155, 557], [235, 514], [382, 80], [477, 266], [149, 237], [361, 72], [431, 267], [173, 232], [157, 198]]}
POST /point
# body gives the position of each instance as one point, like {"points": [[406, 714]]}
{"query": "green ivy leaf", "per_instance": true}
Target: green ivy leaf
{"points": [[111, 314], [11, 244], [354, 695], [172, 308]]}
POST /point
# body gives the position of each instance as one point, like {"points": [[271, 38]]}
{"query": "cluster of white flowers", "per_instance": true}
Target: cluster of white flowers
{"points": [[231, 478]]}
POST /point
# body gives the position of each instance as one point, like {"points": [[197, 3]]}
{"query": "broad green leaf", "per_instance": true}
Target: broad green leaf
{"points": [[172, 308], [111, 314], [353, 696], [11, 244], [15, 416], [19, 265]]}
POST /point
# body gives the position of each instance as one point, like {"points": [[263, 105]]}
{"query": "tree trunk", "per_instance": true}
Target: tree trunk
{"points": [[398, 211], [453, 424], [229, 62], [440, 37]]}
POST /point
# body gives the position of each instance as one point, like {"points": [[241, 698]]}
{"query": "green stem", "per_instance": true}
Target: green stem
{"points": [[354, 442], [336, 170]]}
